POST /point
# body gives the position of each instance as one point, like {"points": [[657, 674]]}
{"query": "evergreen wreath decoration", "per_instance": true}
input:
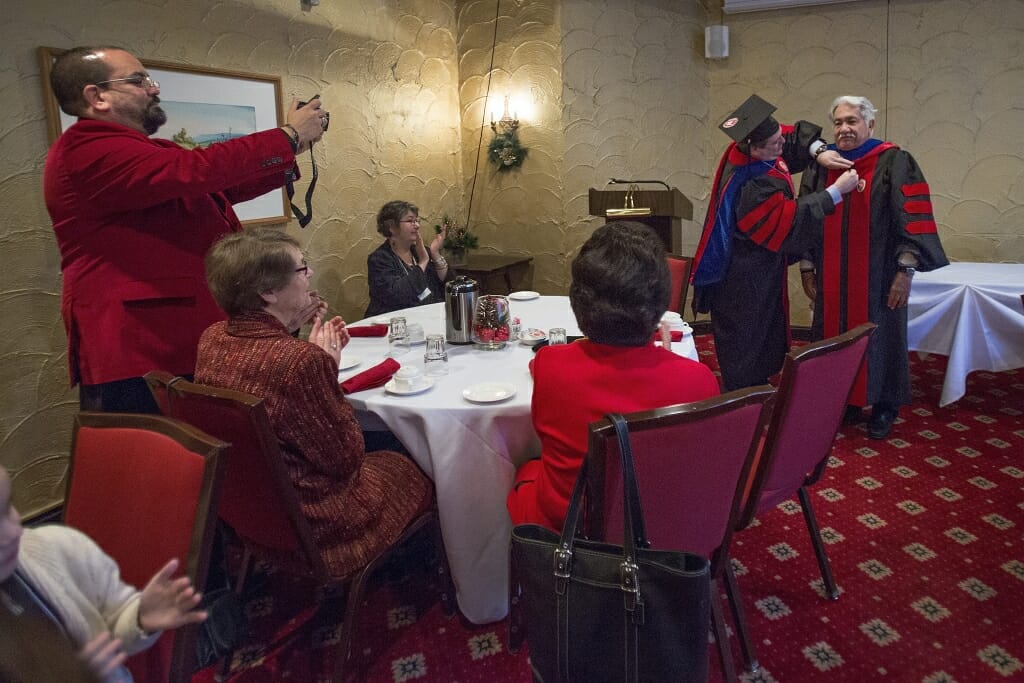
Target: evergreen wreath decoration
{"points": [[505, 152]]}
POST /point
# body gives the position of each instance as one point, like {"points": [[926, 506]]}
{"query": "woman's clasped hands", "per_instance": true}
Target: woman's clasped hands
{"points": [[329, 335]]}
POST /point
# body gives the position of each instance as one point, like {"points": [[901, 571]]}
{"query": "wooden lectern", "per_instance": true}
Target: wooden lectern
{"points": [[667, 209]]}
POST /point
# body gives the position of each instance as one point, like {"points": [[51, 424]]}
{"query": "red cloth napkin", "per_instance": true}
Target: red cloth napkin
{"points": [[376, 376], [367, 330]]}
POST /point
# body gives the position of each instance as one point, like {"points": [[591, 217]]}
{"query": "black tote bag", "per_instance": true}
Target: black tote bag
{"points": [[601, 612]]}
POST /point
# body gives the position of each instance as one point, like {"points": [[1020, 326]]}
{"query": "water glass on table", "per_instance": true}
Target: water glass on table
{"points": [[435, 357], [398, 337], [556, 335]]}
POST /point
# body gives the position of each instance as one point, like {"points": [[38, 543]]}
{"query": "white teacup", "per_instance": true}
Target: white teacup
{"points": [[408, 378], [416, 334]]}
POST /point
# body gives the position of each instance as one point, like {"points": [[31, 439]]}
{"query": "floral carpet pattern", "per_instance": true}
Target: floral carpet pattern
{"points": [[924, 530]]}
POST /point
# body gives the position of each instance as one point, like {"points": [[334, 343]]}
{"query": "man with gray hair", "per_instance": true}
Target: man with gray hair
{"points": [[882, 234]]}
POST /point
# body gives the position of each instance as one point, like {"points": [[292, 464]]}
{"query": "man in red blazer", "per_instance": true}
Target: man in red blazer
{"points": [[134, 217]]}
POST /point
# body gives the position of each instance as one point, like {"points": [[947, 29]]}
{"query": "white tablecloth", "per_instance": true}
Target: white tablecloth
{"points": [[972, 313], [470, 451]]}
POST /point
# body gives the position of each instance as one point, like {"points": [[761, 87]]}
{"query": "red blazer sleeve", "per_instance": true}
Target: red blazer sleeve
{"points": [[143, 172]]}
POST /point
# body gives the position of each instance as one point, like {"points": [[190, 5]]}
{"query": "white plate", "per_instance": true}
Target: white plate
{"points": [[392, 388], [489, 392], [349, 362], [523, 296]]}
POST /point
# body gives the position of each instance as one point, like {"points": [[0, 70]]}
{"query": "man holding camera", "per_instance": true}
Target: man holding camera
{"points": [[134, 217]]}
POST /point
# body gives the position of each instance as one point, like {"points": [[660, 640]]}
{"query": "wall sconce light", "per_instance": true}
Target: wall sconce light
{"points": [[505, 152], [508, 124]]}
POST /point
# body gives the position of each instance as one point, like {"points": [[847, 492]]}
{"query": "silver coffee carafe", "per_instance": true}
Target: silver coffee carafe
{"points": [[459, 304]]}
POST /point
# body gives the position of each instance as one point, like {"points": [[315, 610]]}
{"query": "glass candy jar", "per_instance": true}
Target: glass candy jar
{"points": [[492, 322]]}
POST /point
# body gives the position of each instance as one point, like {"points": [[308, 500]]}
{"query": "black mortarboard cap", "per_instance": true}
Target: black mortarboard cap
{"points": [[751, 122]]}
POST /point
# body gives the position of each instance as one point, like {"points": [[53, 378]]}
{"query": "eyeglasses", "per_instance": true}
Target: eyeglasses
{"points": [[139, 81], [410, 220], [304, 269]]}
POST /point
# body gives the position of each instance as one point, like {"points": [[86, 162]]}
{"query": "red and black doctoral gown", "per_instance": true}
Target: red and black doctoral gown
{"points": [[754, 229], [890, 213]]}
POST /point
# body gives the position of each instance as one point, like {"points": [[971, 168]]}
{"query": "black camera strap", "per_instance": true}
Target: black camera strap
{"points": [[304, 218]]}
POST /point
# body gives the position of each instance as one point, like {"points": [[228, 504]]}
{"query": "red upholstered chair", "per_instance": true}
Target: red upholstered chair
{"points": [[260, 504], [814, 387], [692, 463], [145, 488], [679, 268]]}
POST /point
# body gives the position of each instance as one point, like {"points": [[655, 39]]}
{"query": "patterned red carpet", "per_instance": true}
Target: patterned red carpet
{"points": [[924, 533]]}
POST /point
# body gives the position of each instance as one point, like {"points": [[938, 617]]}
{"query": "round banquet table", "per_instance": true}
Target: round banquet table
{"points": [[469, 450]]}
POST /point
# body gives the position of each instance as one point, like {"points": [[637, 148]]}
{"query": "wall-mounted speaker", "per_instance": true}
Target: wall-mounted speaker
{"points": [[716, 42]]}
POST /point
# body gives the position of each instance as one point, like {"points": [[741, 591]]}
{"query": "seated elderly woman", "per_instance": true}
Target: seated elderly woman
{"points": [[620, 289], [56, 580], [401, 271], [357, 503]]}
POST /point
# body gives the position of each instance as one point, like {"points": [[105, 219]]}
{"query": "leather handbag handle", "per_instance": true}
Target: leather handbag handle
{"points": [[634, 531], [630, 489]]}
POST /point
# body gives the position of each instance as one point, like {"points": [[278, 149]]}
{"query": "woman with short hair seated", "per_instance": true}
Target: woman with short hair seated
{"points": [[402, 272], [357, 503], [620, 289]]}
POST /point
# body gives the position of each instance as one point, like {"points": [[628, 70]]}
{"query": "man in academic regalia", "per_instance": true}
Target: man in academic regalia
{"points": [[883, 234], [754, 229]]}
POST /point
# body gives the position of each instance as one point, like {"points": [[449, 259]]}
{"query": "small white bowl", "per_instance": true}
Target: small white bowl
{"points": [[532, 336]]}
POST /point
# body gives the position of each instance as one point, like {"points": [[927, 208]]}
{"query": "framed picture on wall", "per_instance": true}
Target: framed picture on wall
{"points": [[203, 106]]}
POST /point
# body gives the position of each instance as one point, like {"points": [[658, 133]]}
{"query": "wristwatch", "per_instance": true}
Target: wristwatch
{"points": [[908, 270]]}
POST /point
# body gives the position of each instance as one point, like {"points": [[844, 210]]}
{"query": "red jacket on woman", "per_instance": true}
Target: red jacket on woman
{"points": [[357, 503], [576, 384]]}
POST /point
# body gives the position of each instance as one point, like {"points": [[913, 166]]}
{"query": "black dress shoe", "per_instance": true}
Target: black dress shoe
{"points": [[853, 415], [881, 421]]}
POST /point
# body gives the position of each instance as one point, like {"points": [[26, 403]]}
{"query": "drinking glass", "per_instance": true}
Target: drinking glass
{"points": [[556, 335], [398, 337], [435, 358]]}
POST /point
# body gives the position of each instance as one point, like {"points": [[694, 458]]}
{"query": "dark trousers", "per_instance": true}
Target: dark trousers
{"points": [[123, 396]]}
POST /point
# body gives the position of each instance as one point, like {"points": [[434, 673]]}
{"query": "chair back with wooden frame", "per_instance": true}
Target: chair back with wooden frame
{"points": [[814, 387], [145, 489], [259, 501], [679, 268], [692, 461]]}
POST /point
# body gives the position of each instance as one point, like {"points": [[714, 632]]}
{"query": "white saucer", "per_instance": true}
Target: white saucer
{"points": [[392, 388], [532, 336], [523, 296], [489, 392], [349, 362]]}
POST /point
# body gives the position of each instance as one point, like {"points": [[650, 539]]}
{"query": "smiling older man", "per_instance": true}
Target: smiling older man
{"points": [[872, 247]]}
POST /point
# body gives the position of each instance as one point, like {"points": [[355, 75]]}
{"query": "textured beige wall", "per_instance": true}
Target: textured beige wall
{"points": [[606, 88], [947, 77], [612, 89]]}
